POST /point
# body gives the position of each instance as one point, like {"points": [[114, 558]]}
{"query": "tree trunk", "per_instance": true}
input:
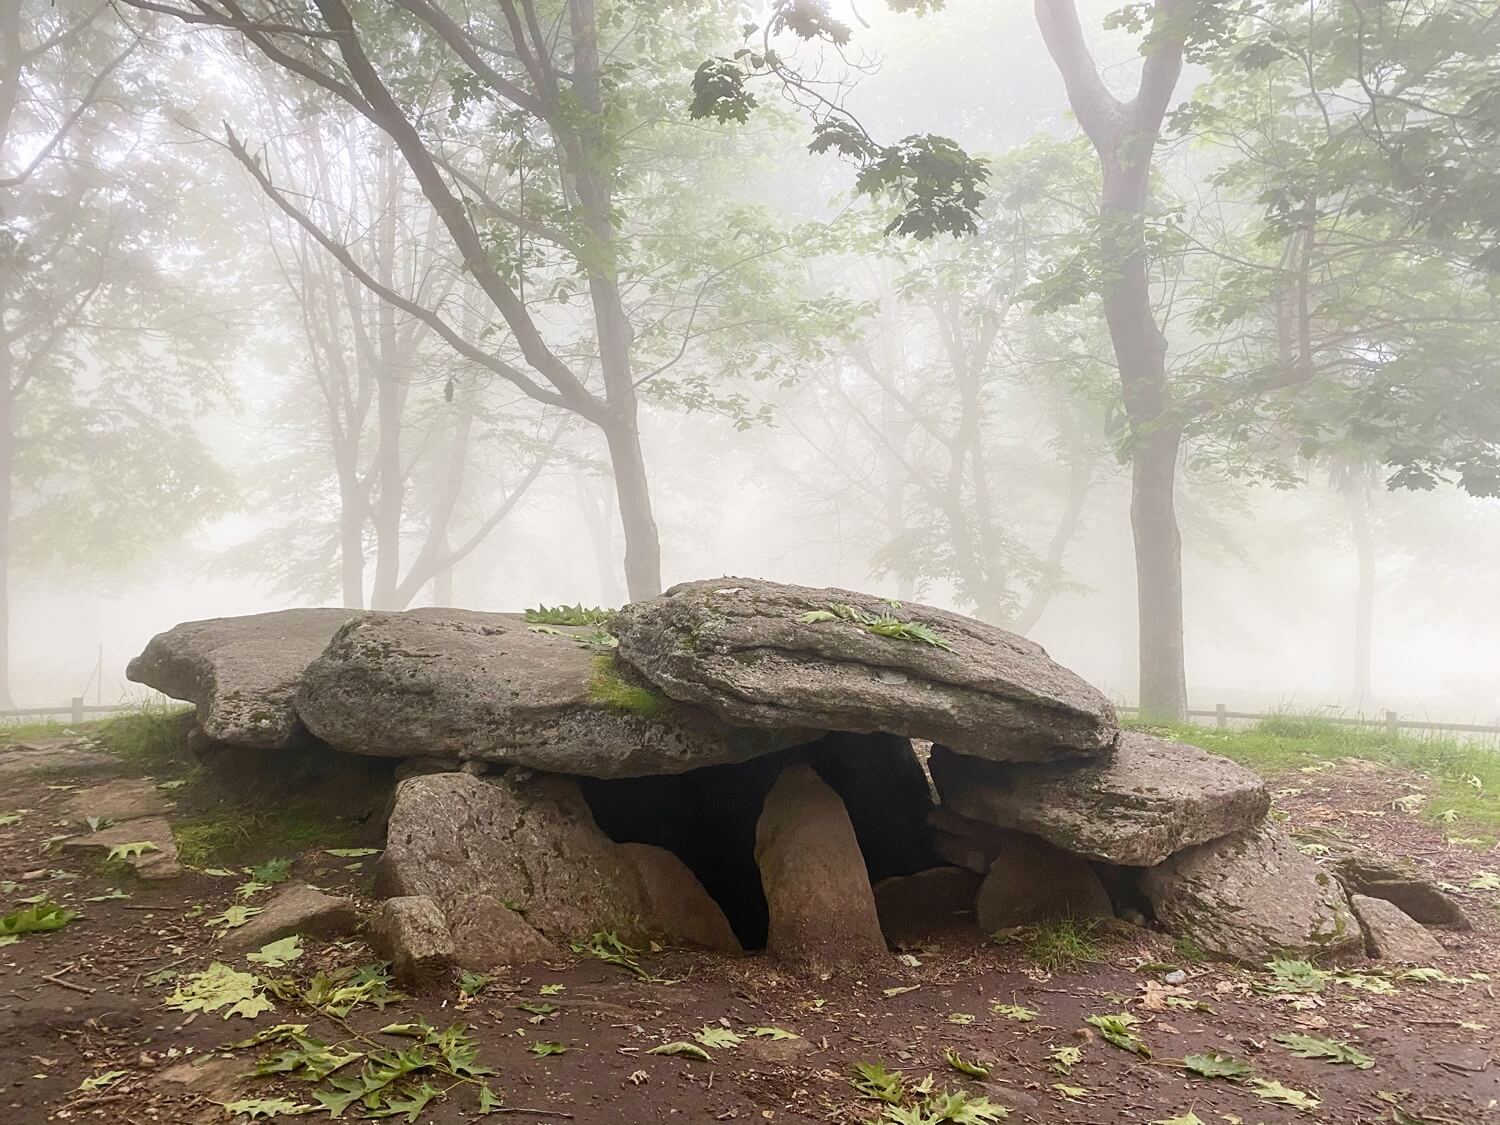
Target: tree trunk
{"points": [[1364, 598], [1158, 575], [633, 491], [7, 465]]}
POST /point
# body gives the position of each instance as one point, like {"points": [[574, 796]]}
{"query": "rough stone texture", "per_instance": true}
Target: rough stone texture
{"points": [[412, 934], [54, 755], [449, 683], [912, 907], [161, 863], [519, 867], [1391, 934], [1397, 881], [1031, 881], [673, 897], [531, 846], [822, 910], [296, 908], [738, 647], [1251, 895], [126, 798], [1148, 799], [964, 842], [240, 672]]}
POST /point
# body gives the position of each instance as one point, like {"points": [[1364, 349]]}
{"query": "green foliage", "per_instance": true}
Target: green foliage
{"points": [[37, 918], [237, 832], [471, 983], [1331, 1050], [963, 1065], [551, 1047], [1118, 1029], [608, 946], [272, 871], [569, 615], [344, 989], [683, 1048], [722, 1037], [608, 685], [1291, 741], [874, 1080], [277, 954], [1017, 1012], [882, 625], [153, 737], [1216, 1064], [1062, 1060], [1292, 975], [131, 850], [1062, 944], [1273, 1091], [220, 986]]}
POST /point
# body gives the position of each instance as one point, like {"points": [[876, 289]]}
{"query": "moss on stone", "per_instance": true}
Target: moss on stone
{"points": [[608, 686]]}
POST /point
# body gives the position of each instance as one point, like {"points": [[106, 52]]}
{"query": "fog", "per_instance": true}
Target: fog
{"points": [[178, 454]]}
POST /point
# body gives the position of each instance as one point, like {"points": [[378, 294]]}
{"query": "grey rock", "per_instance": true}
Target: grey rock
{"points": [[447, 683], [1251, 895], [676, 901], [964, 842], [1391, 934], [738, 646], [296, 908], [240, 672], [411, 933], [822, 910], [54, 755], [1398, 881], [158, 862], [519, 868], [1031, 881], [916, 906], [1136, 806], [125, 798]]}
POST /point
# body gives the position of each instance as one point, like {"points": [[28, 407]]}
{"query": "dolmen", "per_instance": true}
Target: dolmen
{"points": [[743, 765]]}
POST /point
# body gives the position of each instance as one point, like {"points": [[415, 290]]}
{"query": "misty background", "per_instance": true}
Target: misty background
{"points": [[771, 449]]}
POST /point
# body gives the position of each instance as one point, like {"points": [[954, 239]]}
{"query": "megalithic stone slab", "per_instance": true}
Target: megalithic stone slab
{"points": [[471, 686], [1137, 806], [240, 672], [749, 652]]}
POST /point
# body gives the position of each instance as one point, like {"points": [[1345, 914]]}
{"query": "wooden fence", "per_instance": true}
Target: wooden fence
{"points": [[75, 711], [1390, 720]]}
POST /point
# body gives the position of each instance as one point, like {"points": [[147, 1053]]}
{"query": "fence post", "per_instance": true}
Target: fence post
{"points": [[1221, 716], [1392, 724], [78, 709]]}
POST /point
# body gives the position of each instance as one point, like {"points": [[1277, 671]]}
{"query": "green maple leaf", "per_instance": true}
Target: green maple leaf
{"points": [[964, 1066], [1064, 1059], [220, 986], [712, 1036], [1116, 1029], [682, 1047], [38, 918], [278, 953], [1017, 1012], [1273, 1091], [1217, 1064], [234, 917], [101, 1081], [131, 850], [773, 1033], [258, 1108], [544, 1048], [1332, 1050]]}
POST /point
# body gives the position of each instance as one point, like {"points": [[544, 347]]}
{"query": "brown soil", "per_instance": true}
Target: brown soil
{"points": [[84, 1000]]}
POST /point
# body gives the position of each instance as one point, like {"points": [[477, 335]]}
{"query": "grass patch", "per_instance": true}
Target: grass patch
{"points": [[36, 732], [1063, 945], [609, 687], [239, 835], [153, 737], [1466, 774]]}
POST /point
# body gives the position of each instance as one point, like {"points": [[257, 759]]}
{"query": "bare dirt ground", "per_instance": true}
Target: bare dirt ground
{"points": [[85, 1034]]}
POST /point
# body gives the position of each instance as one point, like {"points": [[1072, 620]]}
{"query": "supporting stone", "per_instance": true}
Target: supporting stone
{"points": [[822, 910], [411, 933]]}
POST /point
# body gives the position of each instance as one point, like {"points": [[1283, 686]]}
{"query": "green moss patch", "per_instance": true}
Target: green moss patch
{"points": [[607, 685]]}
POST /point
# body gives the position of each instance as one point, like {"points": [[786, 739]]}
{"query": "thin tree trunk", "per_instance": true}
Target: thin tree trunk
{"points": [[633, 491], [1364, 597], [7, 467], [1158, 575]]}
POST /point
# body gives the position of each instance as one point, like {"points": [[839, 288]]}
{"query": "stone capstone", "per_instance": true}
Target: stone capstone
{"points": [[1136, 806], [745, 650], [411, 933], [822, 915], [1391, 934], [240, 672], [1251, 895], [448, 683]]}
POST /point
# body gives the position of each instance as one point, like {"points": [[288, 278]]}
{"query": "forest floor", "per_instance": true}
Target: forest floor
{"points": [[954, 1031]]}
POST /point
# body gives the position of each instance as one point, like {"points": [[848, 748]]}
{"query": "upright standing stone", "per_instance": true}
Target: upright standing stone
{"points": [[822, 910]]}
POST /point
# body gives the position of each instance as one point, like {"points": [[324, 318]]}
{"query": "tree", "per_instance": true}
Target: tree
{"points": [[402, 427], [558, 126], [109, 345]]}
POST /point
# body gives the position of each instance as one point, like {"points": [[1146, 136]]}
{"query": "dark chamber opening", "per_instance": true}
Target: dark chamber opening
{"points": [[708, 816]]}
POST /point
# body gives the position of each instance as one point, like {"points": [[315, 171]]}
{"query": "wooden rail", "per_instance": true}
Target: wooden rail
{"points": [[1391, 721], [75, 709]]}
